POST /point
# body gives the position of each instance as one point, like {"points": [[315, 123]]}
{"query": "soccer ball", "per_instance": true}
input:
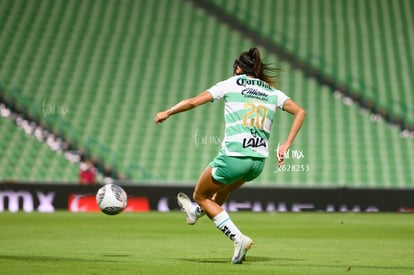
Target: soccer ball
{"points": [[111, 199]]}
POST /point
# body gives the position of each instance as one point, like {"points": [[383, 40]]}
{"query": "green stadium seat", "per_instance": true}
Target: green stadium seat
{"points": [[114, 67]]}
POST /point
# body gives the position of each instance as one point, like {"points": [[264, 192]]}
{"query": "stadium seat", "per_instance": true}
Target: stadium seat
{"points": [[113, 67]]}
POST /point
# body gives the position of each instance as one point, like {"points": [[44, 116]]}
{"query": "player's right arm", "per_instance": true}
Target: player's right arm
{"points": [[184, 105]]}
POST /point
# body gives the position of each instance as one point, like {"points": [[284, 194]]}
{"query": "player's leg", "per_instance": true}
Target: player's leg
{"points": [[204, 192], [206, 189], [221, 196], [193, 212]]}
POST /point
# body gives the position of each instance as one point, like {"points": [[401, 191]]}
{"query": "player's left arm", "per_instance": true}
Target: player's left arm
{"points": [[184, 105], [299, 117]]}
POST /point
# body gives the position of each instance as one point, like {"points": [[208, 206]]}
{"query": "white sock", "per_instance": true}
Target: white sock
{"points": [[225, 224]]}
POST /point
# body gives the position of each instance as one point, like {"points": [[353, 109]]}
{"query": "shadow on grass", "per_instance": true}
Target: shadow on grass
{"points": [[353, 267], [225, 260], [37, 258], [292, 262], [116, 255]]}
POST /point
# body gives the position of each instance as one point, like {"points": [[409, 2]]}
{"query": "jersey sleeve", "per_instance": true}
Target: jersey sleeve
{"points": [[281, 99], [219, 89]]}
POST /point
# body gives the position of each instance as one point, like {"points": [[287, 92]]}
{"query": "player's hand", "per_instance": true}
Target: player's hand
{"points": [[161, 116], [280, 153]]}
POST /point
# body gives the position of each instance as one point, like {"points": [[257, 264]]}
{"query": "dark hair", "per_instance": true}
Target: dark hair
{"points": [[251, 64]]}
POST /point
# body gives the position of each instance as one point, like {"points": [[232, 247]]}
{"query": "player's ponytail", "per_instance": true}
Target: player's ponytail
{"points": [[251, 64]]}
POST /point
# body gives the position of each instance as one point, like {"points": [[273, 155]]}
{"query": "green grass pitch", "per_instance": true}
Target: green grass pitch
{"points": [[161, 243]]}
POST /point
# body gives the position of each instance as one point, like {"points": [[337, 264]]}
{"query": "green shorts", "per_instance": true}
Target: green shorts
{"points": [[227, 170]]}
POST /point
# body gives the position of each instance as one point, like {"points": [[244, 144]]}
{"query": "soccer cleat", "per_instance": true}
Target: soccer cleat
{"points": [[185, 203], [240, 249]]}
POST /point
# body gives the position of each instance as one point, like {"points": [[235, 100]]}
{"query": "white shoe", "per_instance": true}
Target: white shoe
{"points": [[240, 249], [185, 203]]}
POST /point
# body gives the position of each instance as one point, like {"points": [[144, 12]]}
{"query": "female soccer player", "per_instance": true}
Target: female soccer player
{"points": [[250, 105]]}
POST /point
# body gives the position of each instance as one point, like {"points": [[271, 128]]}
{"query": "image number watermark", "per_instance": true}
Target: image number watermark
{"points": [[293, 168], [292, 154]]}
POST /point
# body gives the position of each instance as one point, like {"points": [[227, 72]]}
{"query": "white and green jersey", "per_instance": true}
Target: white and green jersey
{"points": [[250, 105]]}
